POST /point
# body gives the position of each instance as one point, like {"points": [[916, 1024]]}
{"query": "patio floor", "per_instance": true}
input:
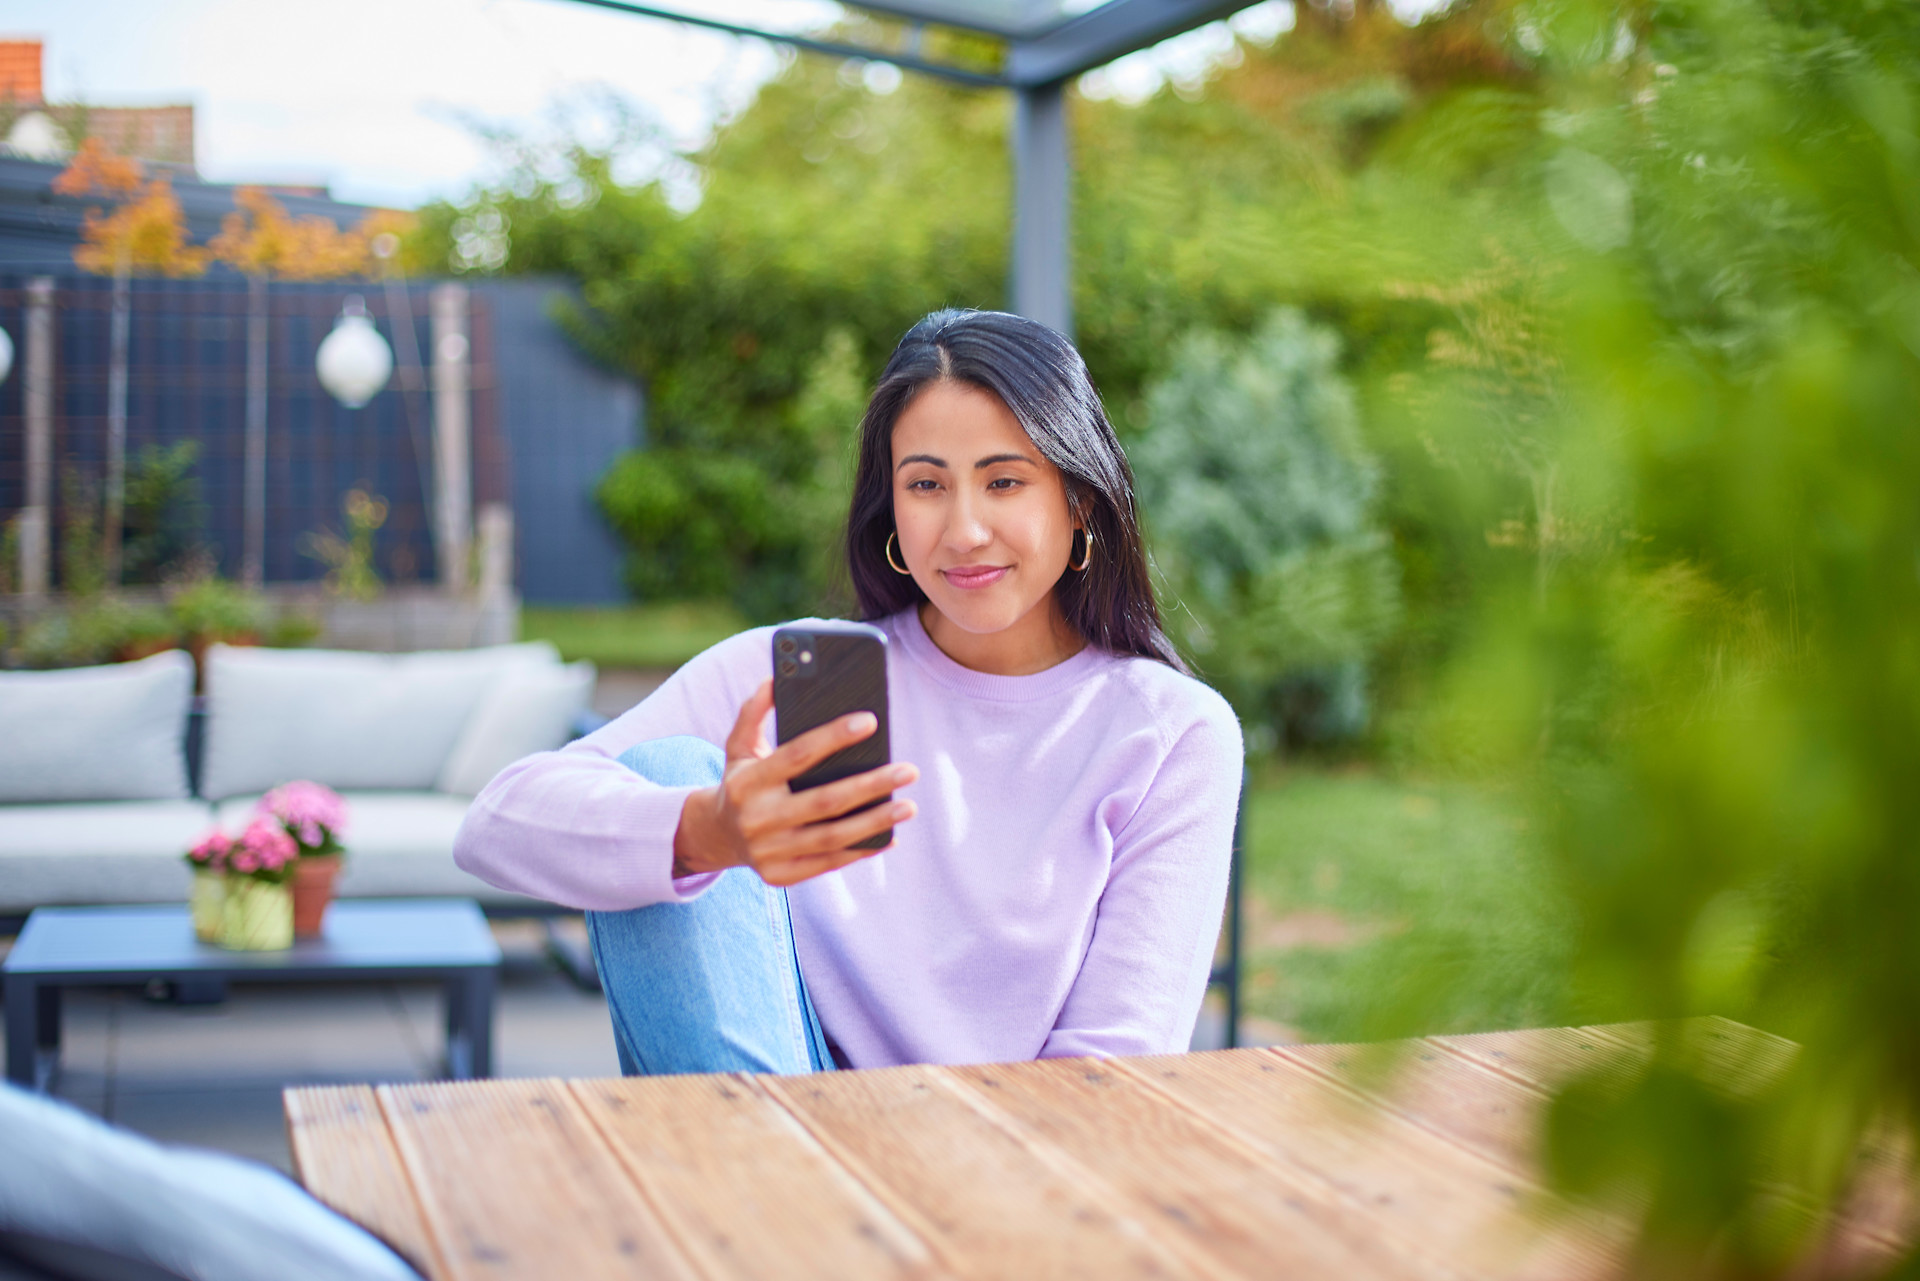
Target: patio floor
{"points": [[211, 1075]]}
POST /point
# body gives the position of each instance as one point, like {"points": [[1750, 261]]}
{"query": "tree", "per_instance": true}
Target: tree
{"points": [[144, 233], [1260, 502], [260, 239]]}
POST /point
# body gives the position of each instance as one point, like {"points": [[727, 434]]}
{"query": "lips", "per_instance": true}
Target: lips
{"points": [[974, 576]]}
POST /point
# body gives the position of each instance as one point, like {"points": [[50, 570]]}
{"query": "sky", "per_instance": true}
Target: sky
{"points": [[376, 98]]}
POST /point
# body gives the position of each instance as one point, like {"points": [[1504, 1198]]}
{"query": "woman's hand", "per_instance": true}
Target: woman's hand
{"points": [[753, 819]]}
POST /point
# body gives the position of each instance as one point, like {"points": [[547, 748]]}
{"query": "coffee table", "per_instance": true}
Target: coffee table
{"points": [[369, 940]]}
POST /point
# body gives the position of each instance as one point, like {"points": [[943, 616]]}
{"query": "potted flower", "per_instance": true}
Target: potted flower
{"points": [[207, 898], [257, 912], [315, 818]]}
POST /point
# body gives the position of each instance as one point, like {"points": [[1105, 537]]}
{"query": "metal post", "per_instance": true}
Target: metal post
{"points": [[36, 517], [1042, 287], [412, 381], [253, 498], [452, 431]]}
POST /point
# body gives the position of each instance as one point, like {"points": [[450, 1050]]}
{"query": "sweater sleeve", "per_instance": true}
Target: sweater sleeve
{"points": [[578, 828], [1145, 973]]}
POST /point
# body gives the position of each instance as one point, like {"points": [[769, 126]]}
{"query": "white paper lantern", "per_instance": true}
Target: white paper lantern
{"points": [[6, 355], [354, 361]]}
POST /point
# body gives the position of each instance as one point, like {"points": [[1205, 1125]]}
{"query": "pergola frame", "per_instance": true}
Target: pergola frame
{"points": [[1040, 59]]}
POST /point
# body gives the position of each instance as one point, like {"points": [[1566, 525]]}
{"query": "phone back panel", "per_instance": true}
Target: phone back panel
{"points": [[824, 672]]}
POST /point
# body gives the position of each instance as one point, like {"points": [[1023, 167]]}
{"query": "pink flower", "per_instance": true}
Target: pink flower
{"points": [[211, 850], [310, 812], [245, 861], [267, 846]]}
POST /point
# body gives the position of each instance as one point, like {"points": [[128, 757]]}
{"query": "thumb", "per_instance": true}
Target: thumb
{"points": [[748, 741]]}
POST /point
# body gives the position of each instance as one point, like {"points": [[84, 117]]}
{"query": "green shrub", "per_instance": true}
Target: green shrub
{"points": [[212, 609], [1259, 497], [165, 522]]}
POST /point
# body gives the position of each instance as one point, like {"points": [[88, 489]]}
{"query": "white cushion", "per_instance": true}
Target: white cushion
{"points": [[104, 852], [528, 710], [399, 845], [342, 718], [112, 733], [69, 1178]]}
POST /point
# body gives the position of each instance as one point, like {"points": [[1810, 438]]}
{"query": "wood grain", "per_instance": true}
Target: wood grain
{"points": [[990, 1200], [516, 1182], [1439, 1199], [747, 1190], [1465, 1102], [1221, 1202], [1547, 1057], [344, 1155]]}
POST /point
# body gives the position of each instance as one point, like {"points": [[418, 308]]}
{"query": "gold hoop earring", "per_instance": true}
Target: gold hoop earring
{"points": [[1086, 556], [895, 565]]}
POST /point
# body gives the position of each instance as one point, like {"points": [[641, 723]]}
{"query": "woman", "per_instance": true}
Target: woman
{"points": [[1064, 792]]}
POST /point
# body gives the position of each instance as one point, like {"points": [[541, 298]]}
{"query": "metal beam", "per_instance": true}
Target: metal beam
{"points": [[1111, 31], [832, 48], [1042, 284]]}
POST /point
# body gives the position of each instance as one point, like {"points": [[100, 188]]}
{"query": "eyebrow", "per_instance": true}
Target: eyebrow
{"points": [[988, 461]]}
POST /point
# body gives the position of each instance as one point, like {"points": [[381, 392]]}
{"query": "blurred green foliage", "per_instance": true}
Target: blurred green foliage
{"points": [[1359, 879], [632, 636], [1629, 295], [1259, 497], [107, 627], [166, 520]]}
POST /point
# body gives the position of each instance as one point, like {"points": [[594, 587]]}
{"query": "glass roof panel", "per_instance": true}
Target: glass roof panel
{"points": [[1012, 18]]}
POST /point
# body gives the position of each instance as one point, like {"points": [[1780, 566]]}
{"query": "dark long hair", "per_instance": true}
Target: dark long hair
{"points": [[1038, 375]]}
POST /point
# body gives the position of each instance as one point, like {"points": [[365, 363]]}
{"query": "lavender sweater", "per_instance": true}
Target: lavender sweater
{"points": [[1059, 892]]}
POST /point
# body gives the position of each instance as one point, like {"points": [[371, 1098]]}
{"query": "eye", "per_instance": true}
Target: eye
{"points": [[922, 486], [1004, 482]]}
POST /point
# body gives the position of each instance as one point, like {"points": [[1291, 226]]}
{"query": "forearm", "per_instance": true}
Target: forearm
{"points": [[578, 829]]}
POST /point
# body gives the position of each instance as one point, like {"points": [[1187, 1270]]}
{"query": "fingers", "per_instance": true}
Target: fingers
{"points": [[830, 800], [828, 846], [795, 758], [831, 837], [748, 740], [805, 869]]}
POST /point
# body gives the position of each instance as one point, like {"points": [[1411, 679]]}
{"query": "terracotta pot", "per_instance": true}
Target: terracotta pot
{"points": [[312, 891], [256, 917]]}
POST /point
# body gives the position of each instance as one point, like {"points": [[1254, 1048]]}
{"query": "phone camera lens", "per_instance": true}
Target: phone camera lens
{"points": [[787, 668], [786, 645]]}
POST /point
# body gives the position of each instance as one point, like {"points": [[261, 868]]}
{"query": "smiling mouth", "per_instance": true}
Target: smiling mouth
{"points": [[971, 576]]}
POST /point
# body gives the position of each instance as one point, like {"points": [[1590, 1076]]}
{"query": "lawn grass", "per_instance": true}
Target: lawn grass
{"points": [[1454, 920], [632, 635]]}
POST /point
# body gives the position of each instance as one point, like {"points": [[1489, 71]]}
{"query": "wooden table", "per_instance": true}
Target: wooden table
{"points": [[1255, 1163]]}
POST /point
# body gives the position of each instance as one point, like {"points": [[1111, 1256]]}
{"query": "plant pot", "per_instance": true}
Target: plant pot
{"points": [[312, 890], [207, 901], [257, 916]]}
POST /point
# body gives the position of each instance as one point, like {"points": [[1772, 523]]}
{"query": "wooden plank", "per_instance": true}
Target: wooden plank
{"points": [[1879, 1215], [1221, 1202], [989, 1200], [344, 1155], [1461, 1100], [516, 1182], [749, 1191], [1546, 1057], [1438, 1198]]}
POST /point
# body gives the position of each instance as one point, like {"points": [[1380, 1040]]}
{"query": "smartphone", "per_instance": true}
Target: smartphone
{"points": [[822, 672]]}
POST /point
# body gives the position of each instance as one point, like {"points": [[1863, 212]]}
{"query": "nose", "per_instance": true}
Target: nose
{"points": [[966, 526]]}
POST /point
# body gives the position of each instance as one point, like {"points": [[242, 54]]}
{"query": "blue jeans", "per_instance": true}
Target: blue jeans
{"points": [[712, 985]]}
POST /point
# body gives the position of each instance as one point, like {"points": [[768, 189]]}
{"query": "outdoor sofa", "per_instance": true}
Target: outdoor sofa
{"points": [[108, 774]]}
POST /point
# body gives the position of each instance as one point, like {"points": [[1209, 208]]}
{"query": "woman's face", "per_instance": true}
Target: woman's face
{"points": [[982, 516]]}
